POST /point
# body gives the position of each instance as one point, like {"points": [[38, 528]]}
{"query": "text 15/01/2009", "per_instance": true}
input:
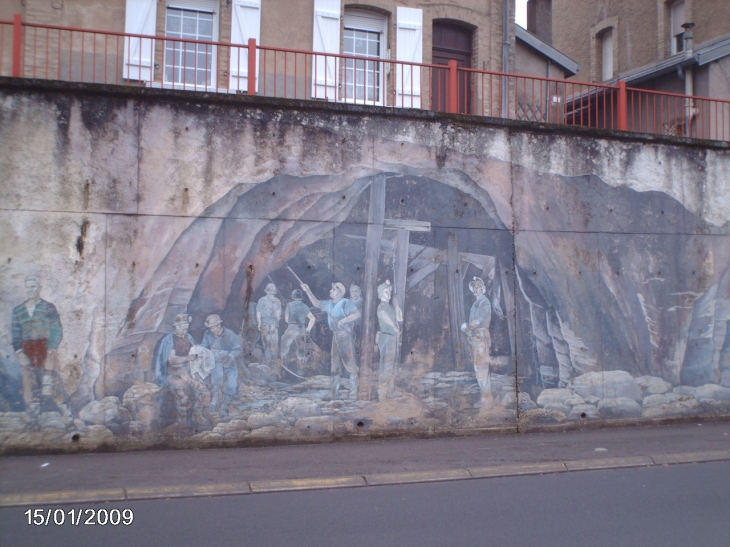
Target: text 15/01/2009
{"points": [[79, 517]]}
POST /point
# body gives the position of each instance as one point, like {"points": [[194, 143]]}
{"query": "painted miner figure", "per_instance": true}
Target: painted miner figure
{"points": [[341, 316], [356, 297], [477, 332], [226, 349], [172, 362], [299, 323], [268, 315], [36, 333], [389, 320]]}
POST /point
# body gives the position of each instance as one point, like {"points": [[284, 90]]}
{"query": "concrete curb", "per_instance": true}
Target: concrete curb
{"points": [[381, 479], [515, 470], [290, 485], [609, 463], [55, 498], [355, 481], [188, 491]]}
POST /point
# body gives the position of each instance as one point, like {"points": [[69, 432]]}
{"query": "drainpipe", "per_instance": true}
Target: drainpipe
{"points": [[505, 57], [689, 78]]}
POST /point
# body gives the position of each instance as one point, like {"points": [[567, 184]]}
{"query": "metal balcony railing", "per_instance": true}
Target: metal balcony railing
{"points": [[82, 55]]}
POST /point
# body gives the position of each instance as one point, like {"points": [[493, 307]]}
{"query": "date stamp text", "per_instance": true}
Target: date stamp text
{"points": [[79, 517]]}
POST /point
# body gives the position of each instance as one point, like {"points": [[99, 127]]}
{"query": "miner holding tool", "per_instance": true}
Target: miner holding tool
{"points": [[296, 315], [268, 316], [341, 316]]}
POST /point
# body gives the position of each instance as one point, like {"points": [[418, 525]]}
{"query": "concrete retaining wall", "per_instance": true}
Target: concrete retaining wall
{"points": [[511, 276]]}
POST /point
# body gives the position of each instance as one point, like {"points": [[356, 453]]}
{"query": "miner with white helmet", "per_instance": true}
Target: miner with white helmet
{"points": [[268, 316], [477, 332], [226, 349], [389, 321], [341, 316]]}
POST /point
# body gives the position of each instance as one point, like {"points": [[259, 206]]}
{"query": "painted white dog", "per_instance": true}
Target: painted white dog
{"points": [[204, 362]]}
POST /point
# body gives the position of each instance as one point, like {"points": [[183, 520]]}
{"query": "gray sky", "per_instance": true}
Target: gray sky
{"points": [[521, 13]]}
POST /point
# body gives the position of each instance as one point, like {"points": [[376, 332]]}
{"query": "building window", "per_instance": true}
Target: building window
{"points": [[606, 40], [186, 63], [677, 19], [364, 36]]}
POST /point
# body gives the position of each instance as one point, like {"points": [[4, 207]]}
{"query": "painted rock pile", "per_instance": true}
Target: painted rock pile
{"points": [[615, 395]]}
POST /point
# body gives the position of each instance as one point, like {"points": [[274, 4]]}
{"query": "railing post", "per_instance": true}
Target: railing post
{"points": [[623, 110], [17, 45], [252, 66], [453, 94]]}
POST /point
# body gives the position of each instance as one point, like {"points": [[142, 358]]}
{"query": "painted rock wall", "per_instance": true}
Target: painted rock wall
{"points": [[217, 272]]}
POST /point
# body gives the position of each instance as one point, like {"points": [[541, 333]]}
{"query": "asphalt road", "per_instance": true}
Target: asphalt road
{"points": [[677, 505]]}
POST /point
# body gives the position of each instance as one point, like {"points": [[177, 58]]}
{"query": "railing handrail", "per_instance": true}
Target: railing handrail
{"points": [[360, 58], [297, 51], [678, 95], [531, 77]]}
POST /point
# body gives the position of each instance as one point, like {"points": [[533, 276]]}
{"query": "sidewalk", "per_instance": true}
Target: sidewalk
{"points": [[29, 480]]}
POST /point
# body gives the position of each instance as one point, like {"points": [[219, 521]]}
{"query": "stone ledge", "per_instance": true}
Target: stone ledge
{"points": [[257, 101]]}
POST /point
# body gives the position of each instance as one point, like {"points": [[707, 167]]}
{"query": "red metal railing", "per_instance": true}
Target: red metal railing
{"points": [[74, 54], [539, 99], [675, 114]]}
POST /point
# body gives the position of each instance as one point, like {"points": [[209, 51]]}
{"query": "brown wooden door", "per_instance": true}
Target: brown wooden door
{"points": [[450, 42]]}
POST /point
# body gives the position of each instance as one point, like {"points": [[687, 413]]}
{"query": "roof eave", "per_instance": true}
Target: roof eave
{"points": [[569, 65]]}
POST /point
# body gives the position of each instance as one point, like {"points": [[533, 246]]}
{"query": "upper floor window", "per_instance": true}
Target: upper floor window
{"points": [[364, 36], [677, 19], [189, 63], [606, 39], [603, 49], [184, 62]]}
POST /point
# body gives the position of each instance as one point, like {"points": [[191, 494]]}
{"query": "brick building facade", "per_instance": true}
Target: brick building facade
{"points": [[644, 42], [471, 32]]}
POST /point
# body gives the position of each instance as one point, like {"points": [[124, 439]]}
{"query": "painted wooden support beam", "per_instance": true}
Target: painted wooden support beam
{"points": [[431, 253], [373, 237], [401, 278], [456, 299], [421, 274], [408, 225]]}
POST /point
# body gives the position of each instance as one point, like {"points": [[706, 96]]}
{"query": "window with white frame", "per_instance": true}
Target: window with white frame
{"points": [[364, 36], [606, 39], [187, 62], [677, 19]]}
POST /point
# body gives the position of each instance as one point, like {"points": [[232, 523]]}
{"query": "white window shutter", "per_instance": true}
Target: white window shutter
{"points": [[326, 40], [409, 47], [139, 53], [245, 24]]}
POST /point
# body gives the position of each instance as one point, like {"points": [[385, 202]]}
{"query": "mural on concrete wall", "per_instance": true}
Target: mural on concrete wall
{"points": [[351, 306], [401, 296]]}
